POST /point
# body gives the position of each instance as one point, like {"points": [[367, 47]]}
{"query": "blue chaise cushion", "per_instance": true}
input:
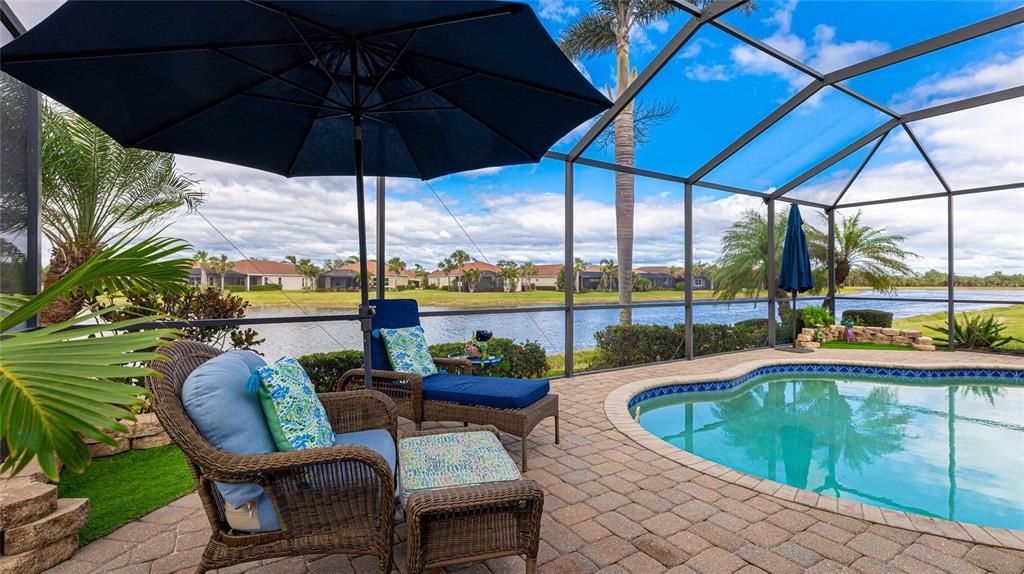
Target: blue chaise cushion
{"points": [[378, 440], [497, 392], [227, 416], [390, 314]]}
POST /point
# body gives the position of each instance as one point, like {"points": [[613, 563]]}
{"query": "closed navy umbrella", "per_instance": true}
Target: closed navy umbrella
{"points": [[795, 274], [310, 88]]}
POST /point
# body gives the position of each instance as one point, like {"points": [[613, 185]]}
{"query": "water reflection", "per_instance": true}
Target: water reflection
{"points": [[949, 451]]}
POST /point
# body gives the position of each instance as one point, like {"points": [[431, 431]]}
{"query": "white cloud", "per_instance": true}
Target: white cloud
{"points": [[708, 73], [1000, 72], [694, 47], [558, 10]]}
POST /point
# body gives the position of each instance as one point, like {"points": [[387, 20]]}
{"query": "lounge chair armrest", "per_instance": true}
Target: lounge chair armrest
{"points": [[353, 379], [454, 364], [471, 428], [354, 411]]}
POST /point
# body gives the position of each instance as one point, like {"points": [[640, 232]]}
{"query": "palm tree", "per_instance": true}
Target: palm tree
{"points": [[673, 274], [608, 269], [527, 271], [52, 405], [92, 188], [604, 30], [221, 265], [421, 274], [447, 265], [351, 260], [395, 265], [875, 256], [471, 277], [459, 259], [202, 259], [578, 267], [509, 273], [743, 266]]}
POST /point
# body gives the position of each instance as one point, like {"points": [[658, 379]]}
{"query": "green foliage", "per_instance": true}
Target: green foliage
{"points": [[521, 360], [126, 487], [326, 369], [267, 287], [234, 288], [46, 405], [812, 316], [626, 345], [974, 332], [868, 318]]}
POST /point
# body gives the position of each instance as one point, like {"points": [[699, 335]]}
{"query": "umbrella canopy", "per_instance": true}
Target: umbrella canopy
{"points": [[795, 274], [440, 87], [311, 88]]}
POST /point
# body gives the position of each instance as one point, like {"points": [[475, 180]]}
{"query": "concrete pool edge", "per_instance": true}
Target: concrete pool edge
{"points": [[616, 408]]}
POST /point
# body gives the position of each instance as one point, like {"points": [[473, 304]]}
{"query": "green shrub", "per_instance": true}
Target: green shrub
{"points": [[326, 369], [522, 360], [545, 288], [868, 318], [405, 287], [234, 288], [974, 332], [626, 345], [267, 287], [812, 316]]}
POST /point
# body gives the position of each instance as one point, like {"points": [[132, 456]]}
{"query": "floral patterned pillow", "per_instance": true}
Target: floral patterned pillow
{"points": [[407, 350], [295, 415]]}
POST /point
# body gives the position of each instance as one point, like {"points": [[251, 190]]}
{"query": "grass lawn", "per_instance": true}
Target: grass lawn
{"points": [[1011, 316], [864, 346], [127, 486]]}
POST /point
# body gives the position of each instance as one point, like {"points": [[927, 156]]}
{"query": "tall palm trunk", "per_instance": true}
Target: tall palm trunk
{"points": [[64, 260], [625, 153]]}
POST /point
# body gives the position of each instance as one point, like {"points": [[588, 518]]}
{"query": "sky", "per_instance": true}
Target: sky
{"points": [[718, 88]]}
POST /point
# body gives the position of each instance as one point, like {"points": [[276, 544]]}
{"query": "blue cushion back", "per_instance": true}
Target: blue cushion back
{"points": [[390, 314]]}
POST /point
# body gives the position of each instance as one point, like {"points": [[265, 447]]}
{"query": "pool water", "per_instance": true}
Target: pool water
{"points": [[952, 451]]}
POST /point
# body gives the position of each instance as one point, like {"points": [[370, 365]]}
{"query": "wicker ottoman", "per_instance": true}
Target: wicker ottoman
{"points": [[454, 518]]}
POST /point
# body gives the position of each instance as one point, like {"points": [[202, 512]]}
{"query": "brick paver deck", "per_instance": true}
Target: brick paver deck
{"points": [[613, 506]]}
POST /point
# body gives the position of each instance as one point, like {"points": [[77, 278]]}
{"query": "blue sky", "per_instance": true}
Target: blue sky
{"points": [[720, 89]]}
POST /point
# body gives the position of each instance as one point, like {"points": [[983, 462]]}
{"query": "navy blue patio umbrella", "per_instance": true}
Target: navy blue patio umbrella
{"points": [[310, 88], [795, 274]]}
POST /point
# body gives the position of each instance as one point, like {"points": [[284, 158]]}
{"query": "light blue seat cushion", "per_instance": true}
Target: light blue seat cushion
{"points": [[378, 440], [496, 392], [230, 418]]}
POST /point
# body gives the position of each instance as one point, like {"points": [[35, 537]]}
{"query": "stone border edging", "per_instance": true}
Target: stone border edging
{"points": [[616, 408]]}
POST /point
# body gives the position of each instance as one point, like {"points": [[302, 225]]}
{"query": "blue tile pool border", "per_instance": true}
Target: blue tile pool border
{"points": [[1005, 376]]}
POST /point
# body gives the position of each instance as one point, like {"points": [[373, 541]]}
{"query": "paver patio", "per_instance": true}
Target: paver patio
{"points": [[613, 506]]}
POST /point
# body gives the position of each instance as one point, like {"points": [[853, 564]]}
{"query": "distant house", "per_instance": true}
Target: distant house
{"points": [[490, 280], [660, 276], [346, 278], [547, 276], [248, 273], [703, 281]]}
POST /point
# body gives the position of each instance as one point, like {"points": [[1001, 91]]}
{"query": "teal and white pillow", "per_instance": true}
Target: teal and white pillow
{"points": [[295, 415], [407, 350]]}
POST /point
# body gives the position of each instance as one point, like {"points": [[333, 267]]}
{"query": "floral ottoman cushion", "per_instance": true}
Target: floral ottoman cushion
{"points": [[449, 460]]}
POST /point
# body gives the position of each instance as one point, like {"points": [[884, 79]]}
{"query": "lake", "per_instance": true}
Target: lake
{"points": [[547, 327]]}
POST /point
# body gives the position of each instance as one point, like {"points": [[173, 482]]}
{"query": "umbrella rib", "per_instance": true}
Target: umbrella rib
{"points": [[424, 90], [305, 138], [285, 81], [319, 60], [306, 21], [144, 52], [408, 150], [495, 131], [193, 113], [294, 103], [533, 85], [391, 66], [505, 10]]}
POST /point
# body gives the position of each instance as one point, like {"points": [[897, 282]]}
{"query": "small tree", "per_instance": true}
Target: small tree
{"points": [[578, 267], [527, 271], [202, 259], [422, 275], [509, 273], [221, 265], [471, 277], [395, 265]]}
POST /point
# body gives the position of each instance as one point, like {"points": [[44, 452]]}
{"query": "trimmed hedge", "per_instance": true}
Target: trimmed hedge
{"points": [[267, 287], [626, 345], [234, 288], [522, 360], [326, 369], [868, 318]]}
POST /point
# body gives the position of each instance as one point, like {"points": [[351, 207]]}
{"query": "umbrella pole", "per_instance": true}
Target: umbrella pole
{"points": [[794, 319], [365, 312]]}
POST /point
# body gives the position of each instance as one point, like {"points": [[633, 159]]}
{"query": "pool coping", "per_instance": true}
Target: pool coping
{"points": [[616, 408]]}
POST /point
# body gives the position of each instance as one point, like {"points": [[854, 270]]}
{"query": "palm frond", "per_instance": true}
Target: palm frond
{"points": [[592, 35], [60, 382]]}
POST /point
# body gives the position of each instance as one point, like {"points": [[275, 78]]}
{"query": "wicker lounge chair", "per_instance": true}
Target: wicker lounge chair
{"points": [[329, 500], [513, 406]]}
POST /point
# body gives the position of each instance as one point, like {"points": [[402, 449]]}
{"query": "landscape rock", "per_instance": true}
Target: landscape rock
{"points": [[98, 449], [71, 514], [23, 500], [145, 424], [151, 441], [39, 559]]}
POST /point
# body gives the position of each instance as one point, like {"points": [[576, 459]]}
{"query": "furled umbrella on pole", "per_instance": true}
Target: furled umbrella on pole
{"points": [[795, 274], [307, 88]]}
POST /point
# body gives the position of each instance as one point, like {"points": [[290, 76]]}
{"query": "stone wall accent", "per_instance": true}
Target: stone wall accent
{"points": [[37, 530], [875, 335], [145, 432]]}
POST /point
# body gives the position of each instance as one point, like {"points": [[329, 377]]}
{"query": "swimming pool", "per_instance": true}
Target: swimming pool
{"points": [[947, 444]]}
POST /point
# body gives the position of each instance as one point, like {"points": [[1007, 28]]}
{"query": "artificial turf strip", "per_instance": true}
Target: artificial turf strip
{"points": [[127, 486], [864, 346]]}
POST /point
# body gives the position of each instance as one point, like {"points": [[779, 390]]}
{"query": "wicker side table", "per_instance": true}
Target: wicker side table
{"points": [[465, 524]]}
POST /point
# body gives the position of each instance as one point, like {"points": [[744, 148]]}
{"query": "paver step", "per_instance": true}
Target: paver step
{"points": [[24, 500], [70, 515]]}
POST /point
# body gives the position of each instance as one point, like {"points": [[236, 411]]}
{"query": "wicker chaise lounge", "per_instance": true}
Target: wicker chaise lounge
{"points": [[513, 406], [334, 500]]}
